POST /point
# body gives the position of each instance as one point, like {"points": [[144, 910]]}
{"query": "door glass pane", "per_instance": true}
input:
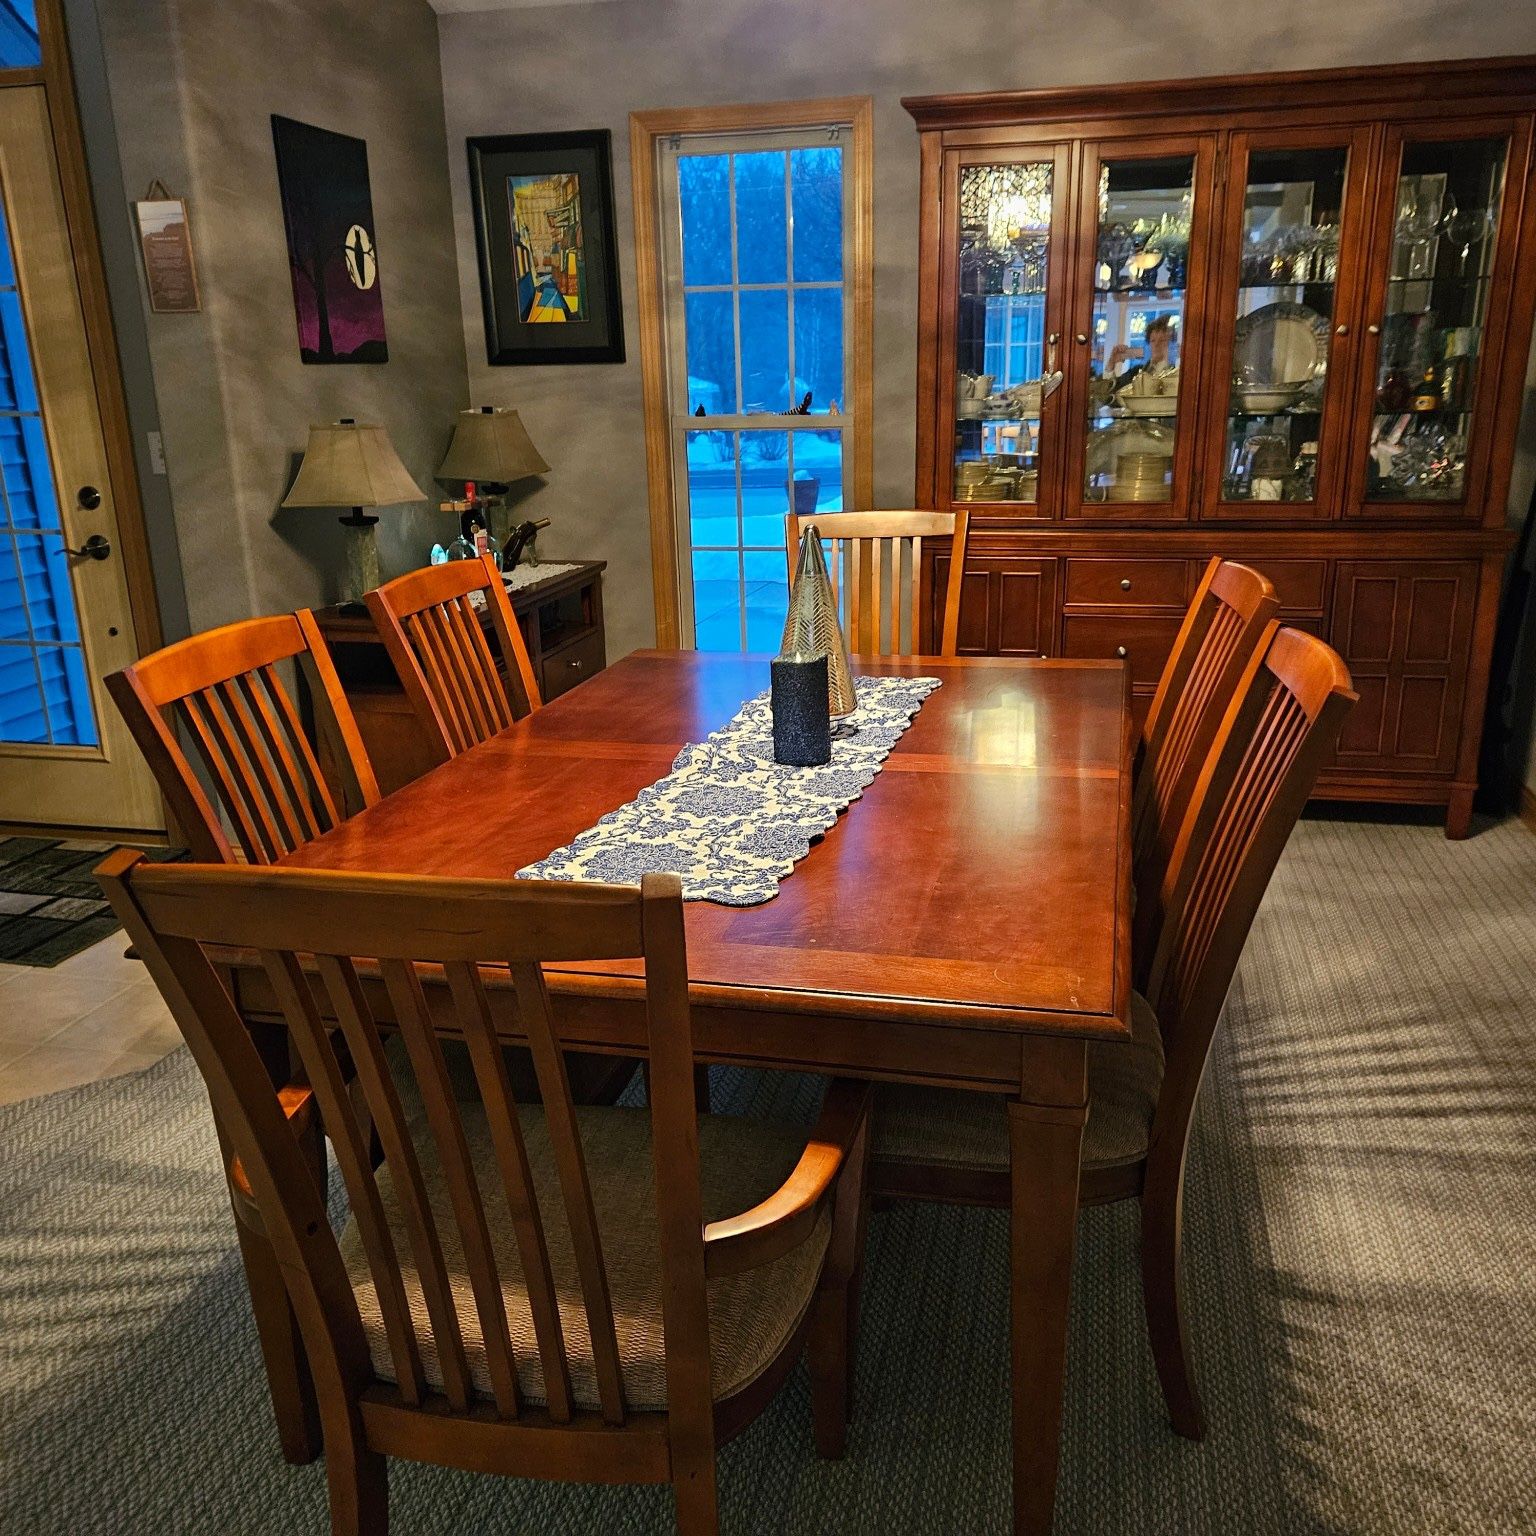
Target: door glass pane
{"points": [[758, 289], [1444, 238], [1000, 346], [1285, 310], [19, 45], [44, 694], [1138, 327]]}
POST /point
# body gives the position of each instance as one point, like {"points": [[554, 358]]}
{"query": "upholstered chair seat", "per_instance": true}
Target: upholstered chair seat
{"points": [[751, 1315]]}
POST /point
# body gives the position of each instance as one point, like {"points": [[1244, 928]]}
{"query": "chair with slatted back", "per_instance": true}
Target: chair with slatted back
{"points": [[546, 1291], [1229, 620], [876, 563], [938, 1144], [222, 694], [221, 697], [460, 692]]}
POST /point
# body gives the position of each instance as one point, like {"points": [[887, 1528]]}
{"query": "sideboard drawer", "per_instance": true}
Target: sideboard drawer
{"points": [[572, 664], [1128, 583], [1144, 643], [1301, 585]]}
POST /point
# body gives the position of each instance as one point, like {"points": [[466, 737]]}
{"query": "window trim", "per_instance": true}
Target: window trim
{"points": [[646, 130]]}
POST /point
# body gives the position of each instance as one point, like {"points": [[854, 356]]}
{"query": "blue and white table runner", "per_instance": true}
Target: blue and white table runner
{"points": [[728, 819]]}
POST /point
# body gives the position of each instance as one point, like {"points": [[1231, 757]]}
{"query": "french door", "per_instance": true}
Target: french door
{"points": [[65, 758]]}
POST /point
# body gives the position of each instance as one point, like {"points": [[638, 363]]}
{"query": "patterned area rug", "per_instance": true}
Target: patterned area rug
{"points": [[50, 907], [1360, 1223]]}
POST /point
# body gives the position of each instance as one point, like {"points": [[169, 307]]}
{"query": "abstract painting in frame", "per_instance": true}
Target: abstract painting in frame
{"points": [[333, 255], [544, 232]]}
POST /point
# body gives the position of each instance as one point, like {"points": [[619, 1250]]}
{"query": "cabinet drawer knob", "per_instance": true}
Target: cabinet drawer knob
{"points": [[1341, 330], [1082, 338], [1121, 651], [1374, 330], [575, 666], [1125, 583]]}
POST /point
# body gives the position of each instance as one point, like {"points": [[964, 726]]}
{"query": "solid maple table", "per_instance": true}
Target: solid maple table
{"points": [[966, 923]]}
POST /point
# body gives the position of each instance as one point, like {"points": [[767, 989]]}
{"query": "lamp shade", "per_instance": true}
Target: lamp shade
{"points": [[351, 464], [492, 446]]}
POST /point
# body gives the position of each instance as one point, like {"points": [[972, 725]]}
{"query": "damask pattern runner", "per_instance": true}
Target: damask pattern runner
{"points": [[728, 819]]}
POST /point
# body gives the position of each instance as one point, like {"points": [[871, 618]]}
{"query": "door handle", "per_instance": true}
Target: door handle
{"points": [[97, 547]]}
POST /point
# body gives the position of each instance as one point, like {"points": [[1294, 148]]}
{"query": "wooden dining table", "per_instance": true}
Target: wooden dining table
{"points": [[966, 923]]}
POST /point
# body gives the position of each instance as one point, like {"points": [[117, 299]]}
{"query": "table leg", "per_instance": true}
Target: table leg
{"points": [[1045, 1136]]}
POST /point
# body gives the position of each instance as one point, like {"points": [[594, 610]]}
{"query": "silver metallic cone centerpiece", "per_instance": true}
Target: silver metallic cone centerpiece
{"points": [[812, 626]]}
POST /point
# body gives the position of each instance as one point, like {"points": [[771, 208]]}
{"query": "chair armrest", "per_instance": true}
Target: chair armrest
{"points": [[297, 1102], [784, 1220]]}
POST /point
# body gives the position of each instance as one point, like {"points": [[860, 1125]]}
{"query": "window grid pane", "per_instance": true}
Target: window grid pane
{"points": [[45, 696], [762, 311]]}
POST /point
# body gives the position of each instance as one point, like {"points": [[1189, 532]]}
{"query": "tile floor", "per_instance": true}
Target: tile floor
{"points": [[94, 1015]]}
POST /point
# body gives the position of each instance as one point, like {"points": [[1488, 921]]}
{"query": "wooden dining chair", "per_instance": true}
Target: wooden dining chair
{"points": [[948, 1145], [1229, 620], [220, 730], [876, 564], [222, 696], [548, 1291], [459, 690]]}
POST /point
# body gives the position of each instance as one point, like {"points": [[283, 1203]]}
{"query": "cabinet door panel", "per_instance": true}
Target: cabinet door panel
{"points": [[1404, 628], [1444, 232], [1007, 605], [1140, 298], [1284, 320], [1301, 585], [1005, 221]]}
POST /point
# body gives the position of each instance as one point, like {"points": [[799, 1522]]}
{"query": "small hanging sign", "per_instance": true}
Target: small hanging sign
{"points": [[165, 238]]}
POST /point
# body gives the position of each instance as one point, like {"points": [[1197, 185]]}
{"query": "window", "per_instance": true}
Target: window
{"points": [[758, 245], [19, 45], [45, 696]]}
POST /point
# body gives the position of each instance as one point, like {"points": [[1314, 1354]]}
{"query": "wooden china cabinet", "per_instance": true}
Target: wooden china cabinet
{"points": [[1282, 318]]}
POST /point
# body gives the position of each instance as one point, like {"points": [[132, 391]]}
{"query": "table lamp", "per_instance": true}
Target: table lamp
{"points": [[353, 464], [491, 447]]}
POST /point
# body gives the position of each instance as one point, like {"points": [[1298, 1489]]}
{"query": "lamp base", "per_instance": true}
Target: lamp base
{"points": [[362, 555]]}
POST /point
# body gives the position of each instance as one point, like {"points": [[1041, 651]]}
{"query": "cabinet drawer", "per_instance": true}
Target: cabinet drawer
{"points": [[1301, 585], [572, 664], [1144, 643], [1122, 583]]}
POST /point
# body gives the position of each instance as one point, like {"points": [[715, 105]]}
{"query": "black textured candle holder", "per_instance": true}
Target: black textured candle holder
{"points": [[802, 725]]}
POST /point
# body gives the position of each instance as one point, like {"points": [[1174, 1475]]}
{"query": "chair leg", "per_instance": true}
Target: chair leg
{"points": [[357, 1480], [1162, 1290], [827, 1352], [698, 1504], [282, 1351]]}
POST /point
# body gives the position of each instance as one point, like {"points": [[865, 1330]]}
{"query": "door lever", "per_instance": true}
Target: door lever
{"points": [[97, 547]]}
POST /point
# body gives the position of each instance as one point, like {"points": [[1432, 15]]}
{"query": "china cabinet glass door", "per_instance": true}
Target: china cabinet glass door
{"points": [[1434, 304], [1287, 298], [1006, 229], [1138, 270]]}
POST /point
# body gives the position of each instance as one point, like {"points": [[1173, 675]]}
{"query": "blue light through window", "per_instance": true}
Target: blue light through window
{"points": [[19, 45], [763, 321], [45, 695]]}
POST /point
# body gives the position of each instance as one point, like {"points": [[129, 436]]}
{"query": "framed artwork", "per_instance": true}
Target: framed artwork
{"points": [[544, 231], [333, 257]]}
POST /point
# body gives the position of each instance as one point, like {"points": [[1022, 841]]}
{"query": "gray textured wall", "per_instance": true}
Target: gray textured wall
{"points": [[589, 66], [193, 85]]}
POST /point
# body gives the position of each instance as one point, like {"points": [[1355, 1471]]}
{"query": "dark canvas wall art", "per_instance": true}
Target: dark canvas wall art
{"points": [[332, 252]]}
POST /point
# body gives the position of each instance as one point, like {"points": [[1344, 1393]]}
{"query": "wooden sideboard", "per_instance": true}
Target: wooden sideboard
{"points": [[1280, 318], [561, 617]]}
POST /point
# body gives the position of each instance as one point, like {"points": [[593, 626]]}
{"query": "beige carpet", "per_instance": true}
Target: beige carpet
{"points": [[1361, 1232]]}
